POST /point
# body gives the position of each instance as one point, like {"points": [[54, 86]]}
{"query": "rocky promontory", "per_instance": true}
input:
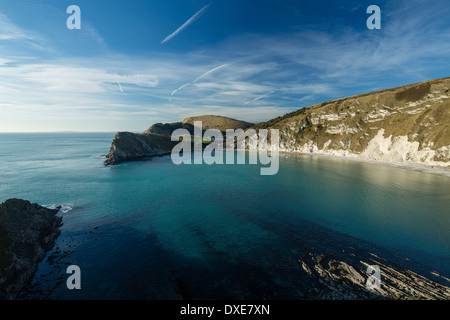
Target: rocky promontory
{"points": [[128, 146], [27, 232], [156, 140]]}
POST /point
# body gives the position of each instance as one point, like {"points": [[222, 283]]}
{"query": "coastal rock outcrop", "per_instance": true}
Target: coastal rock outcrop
{"points": [[27, 232], [344, 276], [128, 146], [156, 140]]}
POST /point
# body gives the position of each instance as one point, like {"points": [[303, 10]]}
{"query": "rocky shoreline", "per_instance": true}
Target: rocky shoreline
{"points": [[27, 232], [335, 266], [344, 276]]}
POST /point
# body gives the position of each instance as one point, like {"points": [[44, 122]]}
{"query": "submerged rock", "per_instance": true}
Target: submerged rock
{"points": [[27, 232]]}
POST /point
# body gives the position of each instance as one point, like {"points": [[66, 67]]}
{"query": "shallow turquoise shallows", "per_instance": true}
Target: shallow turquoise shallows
{"points": [[154, 230]]}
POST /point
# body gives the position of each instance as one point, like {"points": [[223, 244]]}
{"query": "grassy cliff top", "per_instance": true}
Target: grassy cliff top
{"points": [[218, 122]]}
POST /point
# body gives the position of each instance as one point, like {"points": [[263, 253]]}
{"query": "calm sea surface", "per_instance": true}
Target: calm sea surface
{"points": [[151, 229]]}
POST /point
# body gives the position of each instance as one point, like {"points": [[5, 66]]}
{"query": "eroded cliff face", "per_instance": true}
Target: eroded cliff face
{"points": [[27, 232], [127, 146], [156, 141], [403, 124]]}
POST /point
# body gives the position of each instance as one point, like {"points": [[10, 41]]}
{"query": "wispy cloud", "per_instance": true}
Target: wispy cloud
{"points": [[9, 31], [186, 24], [63, 78], [12, 33], [4, 61]]}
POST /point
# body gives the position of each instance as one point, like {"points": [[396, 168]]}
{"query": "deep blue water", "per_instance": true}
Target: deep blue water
{"points": [[151, 229]]}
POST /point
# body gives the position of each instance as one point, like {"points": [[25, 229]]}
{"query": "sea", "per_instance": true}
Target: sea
{"points": [[155, 230]]}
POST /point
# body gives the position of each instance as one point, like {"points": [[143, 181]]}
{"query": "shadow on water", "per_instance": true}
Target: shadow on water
{"points": [[120, 262]]}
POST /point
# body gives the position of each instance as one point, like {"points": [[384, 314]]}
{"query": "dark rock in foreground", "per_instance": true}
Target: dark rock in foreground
{"points": [[27, 232]]}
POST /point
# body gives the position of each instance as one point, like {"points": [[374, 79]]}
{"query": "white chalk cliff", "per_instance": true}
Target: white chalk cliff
{"points": [[403, 124]]}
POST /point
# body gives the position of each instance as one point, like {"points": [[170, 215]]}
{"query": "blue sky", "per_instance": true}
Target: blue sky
{"points": [[137, 62]]}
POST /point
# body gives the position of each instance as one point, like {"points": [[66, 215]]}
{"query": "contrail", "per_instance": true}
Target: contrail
{"points": [[256, 99], [186, 24], [198, 78], [210, 71], [176, 90], [120, 87]]}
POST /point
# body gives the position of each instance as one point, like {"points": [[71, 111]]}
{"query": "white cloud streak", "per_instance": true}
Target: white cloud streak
{"points": [[120, 87], [180, 88], [61, 78], [9, 31], [198, 78], [256, 99], [210, 71], [186, 24]]}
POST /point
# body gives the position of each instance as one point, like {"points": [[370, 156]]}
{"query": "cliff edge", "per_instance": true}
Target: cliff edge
{"points": [[402, 124], [128, 146], [156, 140]]}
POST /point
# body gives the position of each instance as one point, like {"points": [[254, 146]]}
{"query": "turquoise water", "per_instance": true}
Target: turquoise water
{"points": [[151, 229]]}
